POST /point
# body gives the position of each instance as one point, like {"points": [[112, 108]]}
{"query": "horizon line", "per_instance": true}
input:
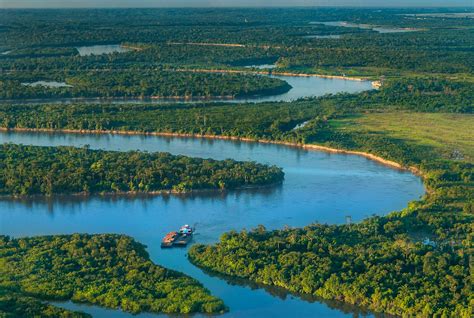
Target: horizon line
{"points": [[245, 7]]}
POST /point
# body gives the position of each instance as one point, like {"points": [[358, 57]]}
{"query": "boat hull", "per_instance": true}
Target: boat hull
{"points": [[182, 240]]}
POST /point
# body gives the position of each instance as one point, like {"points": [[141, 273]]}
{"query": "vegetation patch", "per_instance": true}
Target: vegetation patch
{"points": [[143, 84], [451, 134], [109, 270], [29, 170]]}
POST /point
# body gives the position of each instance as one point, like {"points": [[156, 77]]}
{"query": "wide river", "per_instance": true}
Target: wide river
{"points": [[318, 187]]}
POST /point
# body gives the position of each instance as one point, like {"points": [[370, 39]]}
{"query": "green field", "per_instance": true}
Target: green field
{"points": [[450, 135]]}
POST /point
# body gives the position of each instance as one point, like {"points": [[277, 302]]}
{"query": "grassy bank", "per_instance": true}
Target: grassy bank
{"points": [[450, 134]]}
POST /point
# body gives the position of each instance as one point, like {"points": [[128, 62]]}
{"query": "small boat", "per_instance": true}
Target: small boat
{"points": [[178, 239]]}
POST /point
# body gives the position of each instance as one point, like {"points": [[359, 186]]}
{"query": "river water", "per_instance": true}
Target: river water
{"points": [[101, 49], [318, 186]]}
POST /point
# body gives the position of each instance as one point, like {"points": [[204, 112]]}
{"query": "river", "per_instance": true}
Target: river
{"points": [[302, 86], [318, 186]]}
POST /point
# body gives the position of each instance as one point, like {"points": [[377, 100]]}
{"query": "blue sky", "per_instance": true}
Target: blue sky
{"points": [[226, 3]]}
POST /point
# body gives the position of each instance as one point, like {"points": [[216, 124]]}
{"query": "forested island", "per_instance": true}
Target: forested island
{"points": [[113, 271], [31, 170], [140, 84]]}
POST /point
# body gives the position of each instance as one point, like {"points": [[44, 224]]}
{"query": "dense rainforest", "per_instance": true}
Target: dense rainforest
{"points": [[29, 170], [415, 262], [46, 50], [109, 270]]}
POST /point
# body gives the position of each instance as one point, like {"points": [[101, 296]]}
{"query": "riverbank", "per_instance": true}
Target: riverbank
{"points": [[130, 47], [140, 194], [369, 156]]}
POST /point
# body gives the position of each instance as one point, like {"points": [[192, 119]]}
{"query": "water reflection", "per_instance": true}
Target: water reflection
{"points": [[379, 29], [71, 203], [284, 294]]}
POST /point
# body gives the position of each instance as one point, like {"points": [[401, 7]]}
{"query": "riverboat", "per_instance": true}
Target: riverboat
{"points": [[180, 238]]}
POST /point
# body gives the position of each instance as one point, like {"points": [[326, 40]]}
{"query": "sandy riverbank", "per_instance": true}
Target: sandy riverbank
{"points": [[375, 84]]}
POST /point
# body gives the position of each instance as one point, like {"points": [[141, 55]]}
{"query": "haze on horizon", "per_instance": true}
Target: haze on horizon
{"points": [[228, 3]]}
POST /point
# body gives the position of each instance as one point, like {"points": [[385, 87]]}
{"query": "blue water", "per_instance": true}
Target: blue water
{"points": [[318, 186], [333, 36], [379, 29], [313, 86], [101, 49]]}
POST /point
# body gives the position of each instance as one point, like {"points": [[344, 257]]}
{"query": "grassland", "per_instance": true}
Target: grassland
{"points": [[449, 135]]}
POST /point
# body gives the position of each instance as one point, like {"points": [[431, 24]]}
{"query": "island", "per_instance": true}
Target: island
{"points": [[34, 170]]}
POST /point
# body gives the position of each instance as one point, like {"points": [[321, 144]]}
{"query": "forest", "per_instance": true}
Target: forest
{"points": [[386, 267], [145, 84], [31, 170], [45, 49], [104, 269]]}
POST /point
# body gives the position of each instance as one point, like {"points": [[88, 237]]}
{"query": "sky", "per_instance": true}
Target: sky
{"points": [[228, 3]]}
